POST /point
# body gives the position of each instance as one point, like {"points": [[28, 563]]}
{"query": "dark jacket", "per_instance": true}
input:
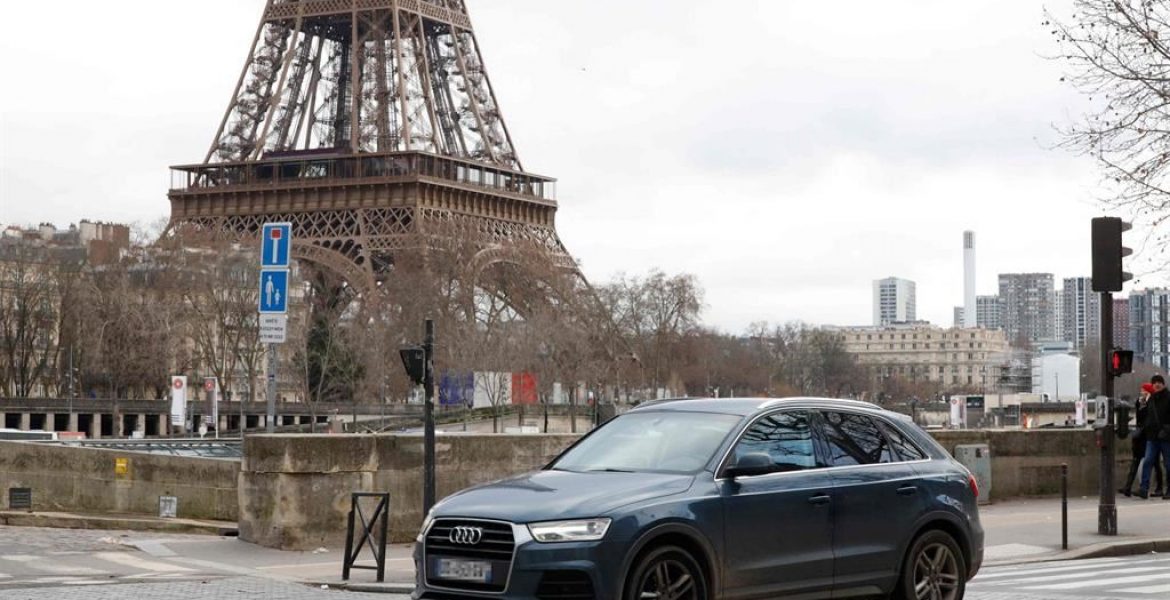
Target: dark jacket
{"points": [[1158, 414], [1141, 420]]}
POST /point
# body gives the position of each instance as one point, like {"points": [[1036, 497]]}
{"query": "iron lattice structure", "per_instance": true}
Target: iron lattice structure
{"points": [[369, 125]]}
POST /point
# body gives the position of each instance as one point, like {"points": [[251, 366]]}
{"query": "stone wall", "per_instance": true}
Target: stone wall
{"points": [[86, 480], [1027, 462], [295, 489]]}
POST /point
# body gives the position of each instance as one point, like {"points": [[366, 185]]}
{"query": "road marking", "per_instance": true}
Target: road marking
{"points": [[1031, 570], [328, 564], [1099, 582], [3, 576], [1150, 589], [1066, 576], [60, 569], [129, 560], [156, 549], [20, 557]]}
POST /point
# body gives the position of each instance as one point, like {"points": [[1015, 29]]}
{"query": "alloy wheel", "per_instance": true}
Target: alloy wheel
{"points": [[936, 573], [668, 579]]}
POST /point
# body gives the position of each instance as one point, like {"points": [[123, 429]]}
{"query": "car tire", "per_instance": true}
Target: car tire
{"points": [[934, 569], [667, 573]]}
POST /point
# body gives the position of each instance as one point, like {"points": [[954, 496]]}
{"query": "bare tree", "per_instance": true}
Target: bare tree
{"points": [[1118, 56], [29, 314]]}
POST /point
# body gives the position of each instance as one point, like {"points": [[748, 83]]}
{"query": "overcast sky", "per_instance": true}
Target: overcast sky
{"points": [[787, 153]]}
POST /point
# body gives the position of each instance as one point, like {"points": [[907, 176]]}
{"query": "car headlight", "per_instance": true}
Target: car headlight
{"points": [[584, 530], [422, 532]]}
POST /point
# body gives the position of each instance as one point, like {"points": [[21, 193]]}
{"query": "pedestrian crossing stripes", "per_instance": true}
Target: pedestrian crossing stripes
{"points": [[1137, 576], [84, 569]]}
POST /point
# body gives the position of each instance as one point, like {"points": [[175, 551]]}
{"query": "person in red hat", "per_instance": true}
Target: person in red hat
{"points": [[1138, 442], [1157, 434]]}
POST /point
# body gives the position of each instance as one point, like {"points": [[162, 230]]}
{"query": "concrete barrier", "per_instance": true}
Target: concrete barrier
{"points": [[294, 489], [87, 480], [1027, 462]]}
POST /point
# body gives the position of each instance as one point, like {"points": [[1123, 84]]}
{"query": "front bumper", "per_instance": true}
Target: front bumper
{"points": [[539, 571]]}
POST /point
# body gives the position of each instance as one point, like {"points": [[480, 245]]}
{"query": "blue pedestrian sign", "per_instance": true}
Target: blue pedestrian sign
{"points": [[275, 245], [273, 291]]}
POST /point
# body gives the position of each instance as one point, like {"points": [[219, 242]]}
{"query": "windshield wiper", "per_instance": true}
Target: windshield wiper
{"points": [[610, 470]]}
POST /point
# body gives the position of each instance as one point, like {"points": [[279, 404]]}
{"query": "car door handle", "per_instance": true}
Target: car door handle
{"points": [[907, 490], [819, 499]]}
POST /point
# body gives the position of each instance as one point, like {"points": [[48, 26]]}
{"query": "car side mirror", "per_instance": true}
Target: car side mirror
{"points": [[748, 465]]}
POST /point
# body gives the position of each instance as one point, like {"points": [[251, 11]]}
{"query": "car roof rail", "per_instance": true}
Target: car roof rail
{"points": [[660, 401], [844, 401]]}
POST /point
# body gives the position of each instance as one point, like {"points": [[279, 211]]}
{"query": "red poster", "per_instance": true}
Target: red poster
{"points": [[523, 388]]}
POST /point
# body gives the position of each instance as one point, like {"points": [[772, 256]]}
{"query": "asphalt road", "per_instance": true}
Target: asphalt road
{"points": [[38, 564]]}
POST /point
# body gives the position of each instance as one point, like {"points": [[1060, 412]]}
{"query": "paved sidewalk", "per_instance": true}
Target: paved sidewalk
{"points": [[1029, 530]]}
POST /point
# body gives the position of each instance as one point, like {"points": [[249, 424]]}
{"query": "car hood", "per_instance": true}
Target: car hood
{"points": [[554, 495]]}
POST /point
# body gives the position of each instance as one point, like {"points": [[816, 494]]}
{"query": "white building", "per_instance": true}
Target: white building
{"points": [[893, 301], [1056, 372]]}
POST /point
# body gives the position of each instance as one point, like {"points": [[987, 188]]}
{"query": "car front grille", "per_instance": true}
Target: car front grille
{"points": [[565, 585], [496, 546]]}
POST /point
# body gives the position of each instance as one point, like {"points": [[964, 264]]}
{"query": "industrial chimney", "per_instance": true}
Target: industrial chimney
{"points": [[969, 308]]}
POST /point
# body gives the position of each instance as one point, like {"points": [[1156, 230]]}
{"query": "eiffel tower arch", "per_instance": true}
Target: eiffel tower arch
{"points": [[371, 126]]}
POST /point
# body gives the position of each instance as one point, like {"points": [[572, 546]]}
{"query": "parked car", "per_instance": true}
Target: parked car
{"points": [[718, 498]]}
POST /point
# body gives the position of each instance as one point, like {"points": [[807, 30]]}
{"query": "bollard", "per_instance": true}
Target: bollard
{"points": [[1064, 506]]}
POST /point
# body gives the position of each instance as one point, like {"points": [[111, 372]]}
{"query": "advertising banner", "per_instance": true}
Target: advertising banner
{"points": [[179, 399]]}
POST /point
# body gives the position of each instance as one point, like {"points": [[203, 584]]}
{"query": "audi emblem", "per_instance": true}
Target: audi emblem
{"points": [[469, 536]]}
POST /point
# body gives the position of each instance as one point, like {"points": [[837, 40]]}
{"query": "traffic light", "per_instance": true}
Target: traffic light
{"points": [[414, 359], [1108, 274], [1120, 362]]}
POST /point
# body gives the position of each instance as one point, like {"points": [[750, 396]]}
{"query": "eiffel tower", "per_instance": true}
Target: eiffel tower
{"points": [[370, 125]]}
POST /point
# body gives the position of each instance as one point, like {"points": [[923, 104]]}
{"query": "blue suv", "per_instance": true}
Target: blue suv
{"points": [[703, 499]]}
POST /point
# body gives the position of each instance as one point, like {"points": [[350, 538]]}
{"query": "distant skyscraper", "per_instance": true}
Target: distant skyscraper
{"points": [[1149, 325], [958, 322], [893, 301], [988, 310], [969, 310], [1080, 313], [1028, 311]]}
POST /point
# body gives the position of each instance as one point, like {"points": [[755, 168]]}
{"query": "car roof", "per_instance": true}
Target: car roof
{"points": [[750, 406]]}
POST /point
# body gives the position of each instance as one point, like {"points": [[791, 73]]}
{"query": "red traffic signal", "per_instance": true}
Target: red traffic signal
{"points": [[1120, 362]]}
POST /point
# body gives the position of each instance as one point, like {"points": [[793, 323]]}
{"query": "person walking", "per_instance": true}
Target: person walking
{"points": [[1157, 434], [1137, 439]]}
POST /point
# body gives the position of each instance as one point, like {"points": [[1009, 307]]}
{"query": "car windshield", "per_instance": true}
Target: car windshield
{"points": [[656, 442]]}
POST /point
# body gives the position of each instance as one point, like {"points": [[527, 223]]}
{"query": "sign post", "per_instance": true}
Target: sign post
{"points": [[211, 386], [275, 254], [179, 401]]}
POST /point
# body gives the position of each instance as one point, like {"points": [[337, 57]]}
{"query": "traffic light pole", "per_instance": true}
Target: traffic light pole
{"points": [[1107, 507], [429, 417]]}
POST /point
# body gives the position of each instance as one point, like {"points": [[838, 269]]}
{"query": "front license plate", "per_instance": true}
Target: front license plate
{"points": [[464, 570]]}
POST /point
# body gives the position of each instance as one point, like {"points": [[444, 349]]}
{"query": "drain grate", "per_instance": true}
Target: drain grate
{"points": [[20, 498]]}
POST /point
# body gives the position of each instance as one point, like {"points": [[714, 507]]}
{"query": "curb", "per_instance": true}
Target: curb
{"points": [[57, 521], [369, 588], [1100, 550]]}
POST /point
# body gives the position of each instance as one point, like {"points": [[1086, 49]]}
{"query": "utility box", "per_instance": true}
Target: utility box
{"points": [[977, 459]]}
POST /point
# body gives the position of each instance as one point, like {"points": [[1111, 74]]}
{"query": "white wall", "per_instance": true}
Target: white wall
{"points": [[1053, 372]]}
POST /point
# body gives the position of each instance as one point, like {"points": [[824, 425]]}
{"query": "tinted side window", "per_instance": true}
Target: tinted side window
{"points": [[902, 445], [855, 440], [786, 437]]}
